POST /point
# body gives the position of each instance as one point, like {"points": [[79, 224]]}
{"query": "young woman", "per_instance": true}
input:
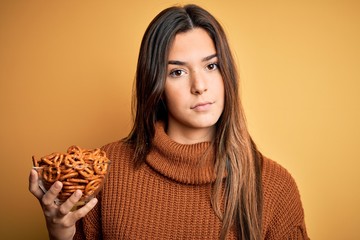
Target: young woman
{"points": [[188, 169]]}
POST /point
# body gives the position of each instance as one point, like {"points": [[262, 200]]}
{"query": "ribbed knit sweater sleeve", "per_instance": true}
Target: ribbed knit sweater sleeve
{"points": [[283, 214], [90, 226]]}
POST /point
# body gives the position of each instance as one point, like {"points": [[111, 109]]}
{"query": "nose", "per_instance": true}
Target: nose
{"points": [[198, 83]]}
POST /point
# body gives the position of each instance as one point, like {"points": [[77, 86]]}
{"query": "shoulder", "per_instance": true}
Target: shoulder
{"points": [[116, 145], [275, 178], [283, 213], [114, 149], [119, 153], [278, 184]]}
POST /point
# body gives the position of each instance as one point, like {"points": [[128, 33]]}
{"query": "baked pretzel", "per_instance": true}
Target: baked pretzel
{"points": [[78, 169], [100, 166], [92, 186], [51, 174]]}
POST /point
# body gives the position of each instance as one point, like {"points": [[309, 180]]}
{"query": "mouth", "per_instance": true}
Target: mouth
{"points": [[201, 106]]}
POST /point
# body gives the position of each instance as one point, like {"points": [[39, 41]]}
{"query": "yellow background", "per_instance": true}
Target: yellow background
{"points": [[66, 72]]}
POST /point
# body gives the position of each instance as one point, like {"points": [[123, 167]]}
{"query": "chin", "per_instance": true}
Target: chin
{"points": [[204, 124]]}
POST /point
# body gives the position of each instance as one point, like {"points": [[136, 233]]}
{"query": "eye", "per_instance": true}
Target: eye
{"points": [[177, 73], [212, 66]]}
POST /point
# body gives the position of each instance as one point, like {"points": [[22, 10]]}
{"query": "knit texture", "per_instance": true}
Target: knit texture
{"points": [[168, 197]]}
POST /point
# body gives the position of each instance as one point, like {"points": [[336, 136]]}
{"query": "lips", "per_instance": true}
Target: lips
{"points": [[201, 106]]}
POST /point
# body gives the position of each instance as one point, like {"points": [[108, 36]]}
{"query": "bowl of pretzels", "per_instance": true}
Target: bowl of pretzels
{"points": [[77, 169]]}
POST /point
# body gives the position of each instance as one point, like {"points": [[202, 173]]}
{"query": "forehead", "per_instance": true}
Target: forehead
{"points": [[195, 43]]}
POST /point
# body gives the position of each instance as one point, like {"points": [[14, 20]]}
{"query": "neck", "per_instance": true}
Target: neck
{"points": [[189, 135], [184, 163]]}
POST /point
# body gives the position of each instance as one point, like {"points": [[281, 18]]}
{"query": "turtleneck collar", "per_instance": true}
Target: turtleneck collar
{"points": [[184, 163]]}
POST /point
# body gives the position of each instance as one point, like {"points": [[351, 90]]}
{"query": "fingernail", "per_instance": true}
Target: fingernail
{"points": [[57, 185], [77, 193], [93, 202]]}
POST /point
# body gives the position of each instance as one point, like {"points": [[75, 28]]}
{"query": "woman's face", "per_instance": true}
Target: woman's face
{"points": [[194, 88]]}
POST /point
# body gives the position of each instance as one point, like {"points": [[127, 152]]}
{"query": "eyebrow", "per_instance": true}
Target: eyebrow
{"points": [[181, 63]]}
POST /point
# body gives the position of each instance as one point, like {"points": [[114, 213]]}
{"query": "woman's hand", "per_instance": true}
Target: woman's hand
{"points": [[60, 220]]}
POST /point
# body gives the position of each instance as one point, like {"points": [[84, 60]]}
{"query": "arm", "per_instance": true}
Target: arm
{"points": [[60, 220]]}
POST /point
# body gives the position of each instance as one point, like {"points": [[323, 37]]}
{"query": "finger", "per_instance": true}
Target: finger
{"points": [[50, 196], [80, 213], [34, 185], [66, 207]]}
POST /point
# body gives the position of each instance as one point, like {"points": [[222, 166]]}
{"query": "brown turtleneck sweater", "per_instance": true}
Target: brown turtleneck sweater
{"points": [[169, 196]]}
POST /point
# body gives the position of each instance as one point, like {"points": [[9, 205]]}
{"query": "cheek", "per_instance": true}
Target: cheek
{"points": [[172, 98]]}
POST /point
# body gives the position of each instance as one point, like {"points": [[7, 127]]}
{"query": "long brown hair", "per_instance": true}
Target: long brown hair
{"points": [[237, 159]]}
